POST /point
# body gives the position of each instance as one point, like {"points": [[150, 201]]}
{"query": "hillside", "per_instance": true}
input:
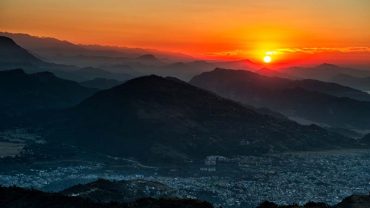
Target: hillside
{"points": [[325, 72], [12, 55], [166, 120], [362, 83], [14, 197], [101, 83], [57, 50], [355, 201], [328, 104], [21, 92], [366, 139]]}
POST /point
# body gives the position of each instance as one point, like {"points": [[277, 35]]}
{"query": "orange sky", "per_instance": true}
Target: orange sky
{"points": [[293, 30]]}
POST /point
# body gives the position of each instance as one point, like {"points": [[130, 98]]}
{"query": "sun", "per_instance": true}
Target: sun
{"points": [[267, 59]]}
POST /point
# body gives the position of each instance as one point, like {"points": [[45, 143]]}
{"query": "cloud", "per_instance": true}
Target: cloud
{"points": [[238, 53], [230, 53], [361, 49]]}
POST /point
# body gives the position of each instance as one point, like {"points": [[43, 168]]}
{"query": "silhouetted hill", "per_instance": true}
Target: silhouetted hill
{"points": [[324, 72], [101, 83], [355, 201], [272, 73], [120, 191], [12, 55], [366, 139], [14, 197], [315, 101], [278, 83], [362, 83], [331, 89], [267, 204], [92, 73], [21, 92], [133, 61], [60, 51], [147, 57], [236, 64], [185, 70], [164, 120]]}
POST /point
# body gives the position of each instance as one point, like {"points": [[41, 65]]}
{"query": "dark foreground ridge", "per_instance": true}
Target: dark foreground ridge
{"points": [[14, 197]]}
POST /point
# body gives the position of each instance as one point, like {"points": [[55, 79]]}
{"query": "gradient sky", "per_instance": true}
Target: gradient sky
{"points": [[291, 29]]}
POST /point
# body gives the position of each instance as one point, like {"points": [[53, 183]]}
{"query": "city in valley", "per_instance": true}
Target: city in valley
{"points": [[286, 178]]}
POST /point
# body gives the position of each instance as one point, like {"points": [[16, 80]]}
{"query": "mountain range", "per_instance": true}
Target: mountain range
{"points": [[156, 119], [358, 78], [14, 56], [306, 101], [121, 60], [101, 83], [71, 57], [362, 83], [96, 105], [23, 94], [166, 119], [324, 72], [55, 50]]}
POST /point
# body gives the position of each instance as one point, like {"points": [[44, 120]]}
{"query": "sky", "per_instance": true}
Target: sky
{"points": [[285, 30]]}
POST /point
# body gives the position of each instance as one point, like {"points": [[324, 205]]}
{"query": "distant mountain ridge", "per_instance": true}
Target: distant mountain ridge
{"points": [[74, 59], [101, 83], [132, 61], [279, 83], [324, 72], [366, 139], [316, 101], [50, 47], [12, 55], [148, 57], [362, 83]]}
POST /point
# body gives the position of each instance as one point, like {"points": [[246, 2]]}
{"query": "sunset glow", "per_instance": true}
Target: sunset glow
{"points": [[313, 31], [184, 103]]}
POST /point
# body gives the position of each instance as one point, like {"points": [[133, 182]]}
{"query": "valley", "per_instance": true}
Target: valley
{"points": [[325, 176]]}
